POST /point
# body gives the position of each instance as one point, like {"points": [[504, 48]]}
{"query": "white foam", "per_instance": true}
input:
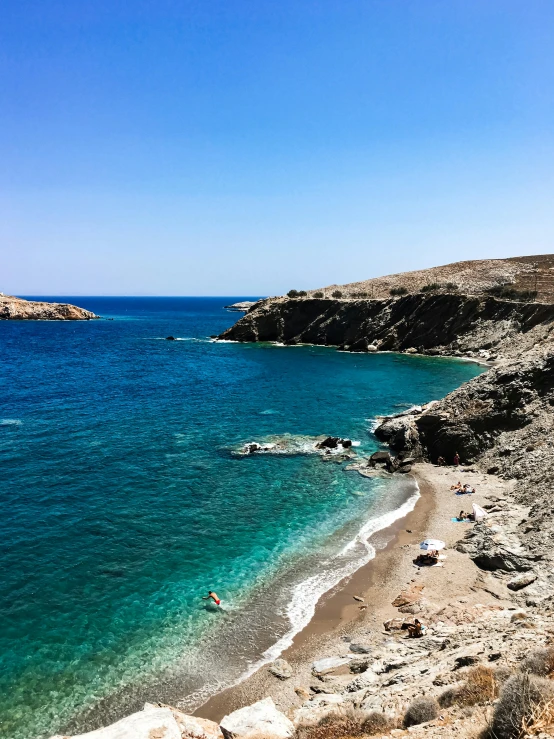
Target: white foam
{"points": [[10, 422], [306, 595]]}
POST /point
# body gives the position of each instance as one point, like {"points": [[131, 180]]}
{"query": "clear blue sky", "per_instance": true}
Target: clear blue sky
{"points": [[223, 147]]}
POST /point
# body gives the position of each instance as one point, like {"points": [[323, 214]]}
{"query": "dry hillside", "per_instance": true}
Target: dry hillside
{"points": [[523, 274]]}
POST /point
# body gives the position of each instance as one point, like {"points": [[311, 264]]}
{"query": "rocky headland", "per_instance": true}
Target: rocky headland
{"points": [[18, 309], [484, 665]]}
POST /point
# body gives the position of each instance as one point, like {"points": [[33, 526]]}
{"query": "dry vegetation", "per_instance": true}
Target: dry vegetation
{"points": [[519, 278]]}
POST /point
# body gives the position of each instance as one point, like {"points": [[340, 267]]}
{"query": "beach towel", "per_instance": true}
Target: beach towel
{"points": [[457, 520]]}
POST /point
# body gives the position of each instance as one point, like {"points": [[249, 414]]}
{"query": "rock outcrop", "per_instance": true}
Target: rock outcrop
{"points": [[17, 309], [428, 324], [241, 307], [260, 719], [155, 722]]}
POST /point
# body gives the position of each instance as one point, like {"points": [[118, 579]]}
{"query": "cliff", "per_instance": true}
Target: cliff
{"points": [[17, 309], [432, 324]]}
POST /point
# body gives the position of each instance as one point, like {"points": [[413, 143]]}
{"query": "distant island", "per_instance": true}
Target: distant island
{"points": [[18, 309]]}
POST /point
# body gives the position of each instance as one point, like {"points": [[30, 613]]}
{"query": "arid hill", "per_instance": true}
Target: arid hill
{"points": [[533, 274]]}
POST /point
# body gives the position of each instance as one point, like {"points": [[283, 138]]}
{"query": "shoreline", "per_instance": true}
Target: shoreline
{"points": [[338, 618], [337, 612]]}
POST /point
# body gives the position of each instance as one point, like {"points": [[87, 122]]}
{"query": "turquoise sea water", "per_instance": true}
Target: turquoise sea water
{"points": [[123, 502]]}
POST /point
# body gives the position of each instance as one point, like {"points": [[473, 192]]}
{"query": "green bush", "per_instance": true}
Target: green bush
{"points": [[302, 294], [451, 286], [398, 291], [430, 287], [318, 294], [336, 294], [292, 293], [504, 291]]}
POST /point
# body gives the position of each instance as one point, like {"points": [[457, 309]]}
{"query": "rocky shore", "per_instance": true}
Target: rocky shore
{"points": [[18, 309], [484, 665]]}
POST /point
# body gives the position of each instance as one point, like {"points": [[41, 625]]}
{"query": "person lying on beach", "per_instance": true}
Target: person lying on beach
{"points": [[213, 596], [457, 486], [429, 559], [415, 629]]}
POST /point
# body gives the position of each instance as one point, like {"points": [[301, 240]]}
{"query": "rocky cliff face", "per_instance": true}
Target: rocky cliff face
{"points": [[432, 324], [17, 309]]}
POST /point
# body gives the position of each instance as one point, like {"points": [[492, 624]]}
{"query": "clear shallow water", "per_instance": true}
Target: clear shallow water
{"points": [[122, 503]]}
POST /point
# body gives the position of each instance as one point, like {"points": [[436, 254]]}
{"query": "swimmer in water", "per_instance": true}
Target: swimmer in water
{"points": [[213, 596]]}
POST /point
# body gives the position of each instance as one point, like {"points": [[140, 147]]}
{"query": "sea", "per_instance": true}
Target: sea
{"points": [[126, 497]]}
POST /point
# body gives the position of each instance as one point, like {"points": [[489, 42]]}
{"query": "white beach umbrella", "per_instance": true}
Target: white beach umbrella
{"points": [[432, 544], [478, 512]]}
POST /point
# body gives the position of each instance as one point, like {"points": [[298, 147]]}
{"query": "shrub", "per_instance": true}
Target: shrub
{"points": [[509, 293], [520, 700], [302, 294], [318, 294], [421, 710], [430, 287], [501, 674], [292, 293], [398, 291], [336, 294], [377, 723], [480, 686], [540, 662], [336, 725], [362, 295], [451, 286], [448, 698]]}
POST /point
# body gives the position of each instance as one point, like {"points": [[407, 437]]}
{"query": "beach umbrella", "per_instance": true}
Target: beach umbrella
{"points": [[432, 544], [478, 512]]}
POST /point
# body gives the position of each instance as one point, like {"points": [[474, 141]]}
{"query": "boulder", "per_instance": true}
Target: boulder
{"points": [[153, 721], [329, 664], [314, 710], [281, 669], [260, 719], [333, 442], [401, 434], [488, 553], [359, 665], [521, 581], [330, 442], [379, 459], [360, 648], [193, 727], [364, 680], [170, 338], [393, 624]]}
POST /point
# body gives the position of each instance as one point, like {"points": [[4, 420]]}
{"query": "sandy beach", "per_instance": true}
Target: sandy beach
{"points": [[340, 618]]}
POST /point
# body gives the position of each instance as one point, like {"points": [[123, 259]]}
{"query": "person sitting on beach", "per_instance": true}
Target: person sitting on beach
{"points": [[213, 596], [415, 629], [441, 461], [457, 486], [456, 460], [462, 516], [429, 558]]}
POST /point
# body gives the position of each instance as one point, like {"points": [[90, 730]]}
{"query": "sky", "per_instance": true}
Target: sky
{"points": [[222, 147]]}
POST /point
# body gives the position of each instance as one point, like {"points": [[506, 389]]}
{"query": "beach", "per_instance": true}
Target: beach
{"points": [[340, 618]]}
